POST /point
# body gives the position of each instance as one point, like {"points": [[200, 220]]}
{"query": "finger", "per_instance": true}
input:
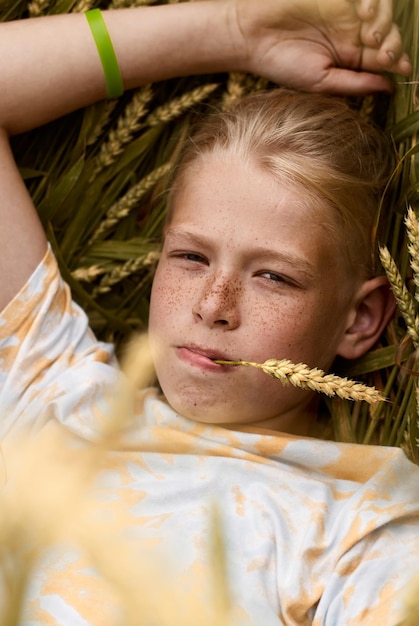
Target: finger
{"points": [[366, 9], [404, 65], [387, 62], [379, 24], [390, 57], [391, 50], [349, 83]]}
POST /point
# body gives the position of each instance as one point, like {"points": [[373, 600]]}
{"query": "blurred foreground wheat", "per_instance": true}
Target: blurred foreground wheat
{"points": [[48, 501]]}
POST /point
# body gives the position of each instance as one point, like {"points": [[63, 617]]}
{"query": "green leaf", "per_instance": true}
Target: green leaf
{"points": [[49, 207]]}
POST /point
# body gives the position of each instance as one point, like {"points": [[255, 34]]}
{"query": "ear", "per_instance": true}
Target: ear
{"points": [[373, 308]]}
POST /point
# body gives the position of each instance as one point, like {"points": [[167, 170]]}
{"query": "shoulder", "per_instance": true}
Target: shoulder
{"points": [[51, 364], [30, 296]]}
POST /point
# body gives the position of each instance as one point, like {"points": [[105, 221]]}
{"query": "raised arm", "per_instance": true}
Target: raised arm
{"points": [[50, 66], [301, 43]]}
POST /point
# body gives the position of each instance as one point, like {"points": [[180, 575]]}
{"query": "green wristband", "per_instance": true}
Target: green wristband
{"points": [[113, 78]]}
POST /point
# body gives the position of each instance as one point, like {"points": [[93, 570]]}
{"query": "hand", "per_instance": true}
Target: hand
{"points": [[335, 46]]}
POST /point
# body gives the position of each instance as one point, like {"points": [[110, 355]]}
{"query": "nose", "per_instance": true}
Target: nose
{"points": [[219, 302]]}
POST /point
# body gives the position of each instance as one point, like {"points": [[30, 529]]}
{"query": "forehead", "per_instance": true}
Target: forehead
{"points": [[223, 172], [237, 202], [240, 218]]}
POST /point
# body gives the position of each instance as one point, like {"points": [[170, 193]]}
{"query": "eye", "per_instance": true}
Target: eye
{"points": [[278, 279], [189, 257], [193, 256]]}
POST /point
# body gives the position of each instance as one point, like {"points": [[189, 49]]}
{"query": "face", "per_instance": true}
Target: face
{"points": [[247, 272]]}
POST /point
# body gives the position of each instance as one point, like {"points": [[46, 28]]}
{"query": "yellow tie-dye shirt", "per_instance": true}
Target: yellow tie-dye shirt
{"points": [[315, 532]]}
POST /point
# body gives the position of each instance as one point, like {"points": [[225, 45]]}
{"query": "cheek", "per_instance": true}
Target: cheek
{"points": [[276, 327], [290, 329], [161, 298], [168, 297]]}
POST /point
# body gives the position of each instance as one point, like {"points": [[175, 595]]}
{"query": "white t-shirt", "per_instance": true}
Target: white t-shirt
{"points": [[315, 532]]}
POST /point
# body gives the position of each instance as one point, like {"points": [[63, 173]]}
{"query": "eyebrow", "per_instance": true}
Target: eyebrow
{"points": [[302, 265], [263, 254]]}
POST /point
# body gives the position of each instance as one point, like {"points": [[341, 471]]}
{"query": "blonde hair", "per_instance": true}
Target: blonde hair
{"points": [[316, 142]]}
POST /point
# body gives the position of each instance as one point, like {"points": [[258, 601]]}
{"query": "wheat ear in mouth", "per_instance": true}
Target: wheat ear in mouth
{"points": [[315, 379]]}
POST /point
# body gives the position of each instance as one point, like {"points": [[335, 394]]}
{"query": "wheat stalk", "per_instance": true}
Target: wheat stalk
{"points": [[315, 379], [416, 417], [169, 111], [411, 602], [123, 206], [219, 569], [101, 122], [403, 298], [412, 227], [127, 124], [124, 270]]}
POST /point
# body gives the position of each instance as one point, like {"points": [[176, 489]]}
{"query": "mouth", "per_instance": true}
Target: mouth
{"points": [[204, 358]]}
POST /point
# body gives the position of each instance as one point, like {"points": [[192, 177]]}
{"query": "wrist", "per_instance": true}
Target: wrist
{"points": [[176, 40], [236, 32], [255, 28]]}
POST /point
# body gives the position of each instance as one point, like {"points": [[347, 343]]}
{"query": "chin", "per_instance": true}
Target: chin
{"points": [[203, 414], [203, 410]]}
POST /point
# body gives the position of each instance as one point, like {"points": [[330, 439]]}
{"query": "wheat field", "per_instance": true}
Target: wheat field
{"points": [[98, 178]]}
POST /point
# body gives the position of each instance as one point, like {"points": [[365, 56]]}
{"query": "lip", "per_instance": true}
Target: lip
{"points": [[203, 358]]}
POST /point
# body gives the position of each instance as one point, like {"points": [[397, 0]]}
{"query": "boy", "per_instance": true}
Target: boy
{"points": [[250, 267]]}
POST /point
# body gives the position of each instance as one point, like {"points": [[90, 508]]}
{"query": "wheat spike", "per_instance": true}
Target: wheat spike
{"points": [[101, 123], [126, 269], [235, 88], [120, 4], [88, 274], [315, 379], [82, 6], [169, 111], [255, 83], [403, 298], [37, 7], [412, 227], [124, 205], [416, 416], [127, 124]]}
